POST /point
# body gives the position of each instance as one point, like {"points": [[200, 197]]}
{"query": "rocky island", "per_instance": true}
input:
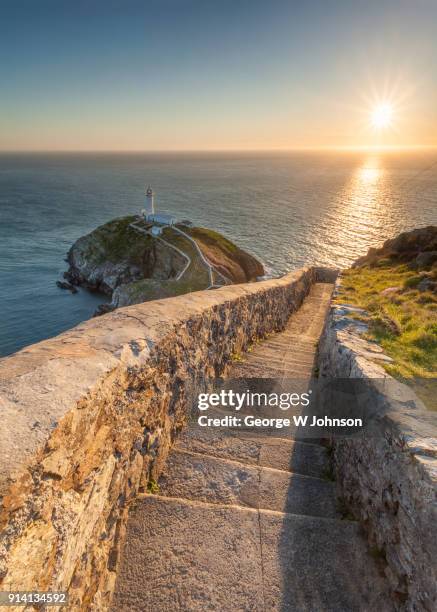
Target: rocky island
{"points": [[134, 261]]}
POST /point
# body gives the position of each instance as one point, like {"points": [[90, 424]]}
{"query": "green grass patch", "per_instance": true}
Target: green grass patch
{"points": [[115, 241], [400, 318], [211, 238], [152, 487]]}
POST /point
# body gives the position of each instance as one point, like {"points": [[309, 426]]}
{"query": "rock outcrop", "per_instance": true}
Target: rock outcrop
{"points": [[417, 248], [121, 259]]}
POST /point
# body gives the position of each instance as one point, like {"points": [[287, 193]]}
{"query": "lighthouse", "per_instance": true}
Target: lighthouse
{"points": [[149, 214], [150, 206]]}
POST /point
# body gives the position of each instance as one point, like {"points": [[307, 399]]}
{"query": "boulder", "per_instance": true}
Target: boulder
{"points": [[425, 260], [427, 284], [66, 285]]}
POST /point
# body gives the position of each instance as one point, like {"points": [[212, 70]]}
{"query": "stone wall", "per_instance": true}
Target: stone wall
{"points": [[387, 479], [88, 418]]}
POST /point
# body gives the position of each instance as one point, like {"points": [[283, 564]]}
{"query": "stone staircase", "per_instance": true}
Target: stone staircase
{"points": [[249, 522]]}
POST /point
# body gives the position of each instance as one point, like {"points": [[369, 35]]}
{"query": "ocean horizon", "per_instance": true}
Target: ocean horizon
{"points": [[288, 208]]}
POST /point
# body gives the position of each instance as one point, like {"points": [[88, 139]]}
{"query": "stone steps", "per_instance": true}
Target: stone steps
{"points": [[194, 556], [247, 520], [280, 453], [285, 361], [262, 369], [200, 477], [292, 344]]}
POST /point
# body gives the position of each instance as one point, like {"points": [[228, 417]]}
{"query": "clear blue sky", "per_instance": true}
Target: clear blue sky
{"points": [[186, 74]]}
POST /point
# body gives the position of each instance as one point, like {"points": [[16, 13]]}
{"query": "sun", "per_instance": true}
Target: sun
{"points": [[382, 116]]}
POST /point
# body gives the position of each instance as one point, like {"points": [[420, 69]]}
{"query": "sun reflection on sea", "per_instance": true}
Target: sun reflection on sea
{"points": [[369, 174], [358, 218]]}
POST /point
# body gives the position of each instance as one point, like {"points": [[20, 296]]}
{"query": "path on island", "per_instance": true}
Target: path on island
{"points": [[249, 522], [216, 278]]}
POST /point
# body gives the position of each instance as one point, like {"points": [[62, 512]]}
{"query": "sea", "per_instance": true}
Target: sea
{"points": [[288, 209]]}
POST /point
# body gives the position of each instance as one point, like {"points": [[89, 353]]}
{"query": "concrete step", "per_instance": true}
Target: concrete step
{"points": [[283, 349], [280, 360], [262, 369], [318, 565], [288, 347], [261, 450], [222, 481], [188, 556]]}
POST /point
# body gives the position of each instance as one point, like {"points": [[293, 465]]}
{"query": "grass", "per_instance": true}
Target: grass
{"points": [[403, 321], [115, 241], [195, 278], [231, 260], [211, 238], [153, 289], [152, 487]]}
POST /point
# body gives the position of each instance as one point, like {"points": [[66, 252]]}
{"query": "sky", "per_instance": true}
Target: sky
{"points": [[216, 74]]}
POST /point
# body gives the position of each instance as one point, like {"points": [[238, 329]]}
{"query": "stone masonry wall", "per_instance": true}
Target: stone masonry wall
{"points": [[88, 418], [388, 477]]}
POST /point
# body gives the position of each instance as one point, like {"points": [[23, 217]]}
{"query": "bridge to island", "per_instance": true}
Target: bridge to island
{"points": [[94, 418]]}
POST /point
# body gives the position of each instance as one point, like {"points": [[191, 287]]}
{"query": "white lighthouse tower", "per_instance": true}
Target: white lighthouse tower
{"points": [[150, 205], [149, 215]]}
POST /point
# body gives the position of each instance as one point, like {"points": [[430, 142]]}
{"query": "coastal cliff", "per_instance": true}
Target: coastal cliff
{"points": [[123, 260]]}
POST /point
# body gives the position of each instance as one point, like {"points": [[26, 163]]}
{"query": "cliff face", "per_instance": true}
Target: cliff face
{"points": [[125, 262]]}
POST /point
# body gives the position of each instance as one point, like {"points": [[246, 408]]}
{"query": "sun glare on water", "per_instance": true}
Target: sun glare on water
{"points": [[382, 116]]}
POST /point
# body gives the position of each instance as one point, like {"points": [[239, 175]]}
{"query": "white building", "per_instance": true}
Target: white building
{"points": [[149, 211], [162, 219]]}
